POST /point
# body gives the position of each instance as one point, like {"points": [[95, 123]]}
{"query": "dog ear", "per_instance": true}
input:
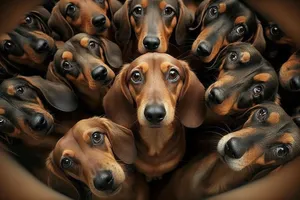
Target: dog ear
{"points": [[57, 95], [122, 24], [53, 76], [118, 103], [200, 14], [191, 107], [259, 41], [185, 20], [59, 25], [114, 6], [59, 181], [122, 141], [43, 16], [112, 53]]}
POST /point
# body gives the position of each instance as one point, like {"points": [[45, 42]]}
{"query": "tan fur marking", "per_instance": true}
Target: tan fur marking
{"points": [[222, 7], [286, 138], [245, 57], [68, 153], [164, 67], [225, 79], [264, 77], [84, 42], [240, 20], [2, 111], [67, 55], [162, 5], [11, 90], [274, 118], [144, 3]]}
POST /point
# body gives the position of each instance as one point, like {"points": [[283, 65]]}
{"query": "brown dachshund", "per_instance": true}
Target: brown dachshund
{"points": [[152, 96], [148, 25], [245, 79], [222, 22], [86, 64], [268, 139], [70, 17], [97, 153]]}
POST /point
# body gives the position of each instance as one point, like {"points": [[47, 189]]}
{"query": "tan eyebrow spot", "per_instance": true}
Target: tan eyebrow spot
{"points": [[245, 57], [162, 5], [222, 7], [68, 153], [144, 67], [274, 118], [2, 111], [240, 20], [86, 137], [84, 42], [144, 3], [164, 67], [264, 77], [11, 90], [67, 55], [225, 79], [286, 138]]}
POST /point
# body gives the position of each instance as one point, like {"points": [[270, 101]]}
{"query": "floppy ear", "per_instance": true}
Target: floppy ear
{"points": [[191, 105], [185, 20], [114, 6], [43, 16], [259, 41], [59, 25], [112, 53], [118, 103], [57, 95], [59, 181], [53, 76], [122, 24], [122, 141], [200, 14]]}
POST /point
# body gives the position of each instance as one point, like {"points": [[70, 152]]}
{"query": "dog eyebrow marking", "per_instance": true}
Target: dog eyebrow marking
{"points": [[86, 137], [274, 118], [67, 55], [264, 77], [162, 5], [165, 66], [222, 7], [225, 79], [240, 20], [144, 3], [286, 138], [2, 111], [144, 67], [245, 57], [68, 153], [84, 42], [11, 90]]}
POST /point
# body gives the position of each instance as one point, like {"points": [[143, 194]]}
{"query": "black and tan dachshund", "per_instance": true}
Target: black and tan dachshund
{"points": [[87, 65], [221, 22], [267, 140]]}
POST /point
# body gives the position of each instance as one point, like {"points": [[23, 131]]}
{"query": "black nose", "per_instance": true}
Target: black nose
{"points": [[295, 83], [234, 148], [42, 46], [104, 181], [204, 49], [151, 43], [99, 73], [38, 122], [216, 96], [297, 121], [99, 21], [155, 113]]}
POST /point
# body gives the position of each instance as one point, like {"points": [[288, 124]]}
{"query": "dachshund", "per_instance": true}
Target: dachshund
{"points": [[87, 64], [152, 96], [245, 79], [135, 27], [98, 154], [268, 139], [29, 48], [27, 108], [222, 22], [93, 17]]}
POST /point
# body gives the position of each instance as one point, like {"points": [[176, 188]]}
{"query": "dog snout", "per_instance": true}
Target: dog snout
{"points": [[151, 43], [38, 122], [99, 21], [216, 96], [295, 83], [42, 46], [104, 181], [99, 73], [155, 113], [234, 148], [204, 49]]}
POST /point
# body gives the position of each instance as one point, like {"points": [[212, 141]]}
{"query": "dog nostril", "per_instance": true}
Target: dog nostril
{"points": [[295, 83], [104, 181], [38, 122], [234, 148], [204, 49], [42, 46], [155, 113], [216, 96], [99, 21], [99, 73], [151, 43]]}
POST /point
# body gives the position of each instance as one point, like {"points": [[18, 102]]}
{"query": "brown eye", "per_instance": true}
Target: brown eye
{"points": [[275, 31], [240, 30], [262, 115], [1, 121], [97, 138], [233, 56], [136, 77], [20, 90], [66, 65], [257, 90], [173, 76], [28, 20], [168, 11], [8, 46], [92, 44], [281, 151], [66, 163], [138, 11], [213, 12], [71, 9]]}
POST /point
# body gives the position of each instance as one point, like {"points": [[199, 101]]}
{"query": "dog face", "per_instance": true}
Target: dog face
{"points": [[86, 153], [276, 35], [222, 22], [269, 137], [289, 74], [138, 15], [69, 17], [23, 112], [161, 87], [245, 79]]}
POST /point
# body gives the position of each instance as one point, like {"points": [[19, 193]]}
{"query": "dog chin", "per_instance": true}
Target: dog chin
{"points": [[233, 164], [108, 193]]}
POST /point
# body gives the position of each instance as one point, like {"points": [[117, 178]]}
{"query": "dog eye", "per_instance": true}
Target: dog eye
{"points": [[8, 46], [2, 121], [136, 77], [71, 9], [213, 12], [257, 90], [66, 163], [97, 138], [138, 11], [240, 30], [281, 151], [20, 89], [66, 65], [92, 44], [168, 11], [173, 76], [233, 56], [274, 30], [28, 20], [262, 115]]}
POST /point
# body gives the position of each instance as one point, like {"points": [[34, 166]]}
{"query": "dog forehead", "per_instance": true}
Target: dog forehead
{"points": [[155, 60]]}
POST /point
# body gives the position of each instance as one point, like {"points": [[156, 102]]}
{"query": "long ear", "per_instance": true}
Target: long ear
{"points": [[118, 103], [112, 53], [200, 14], [53, 76], [122, 24], [185, 20], [59, 181], [57, 95], [59, 25], [122, 141], [259, 41], [114, 6], [191, 107], [43, 16]]}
